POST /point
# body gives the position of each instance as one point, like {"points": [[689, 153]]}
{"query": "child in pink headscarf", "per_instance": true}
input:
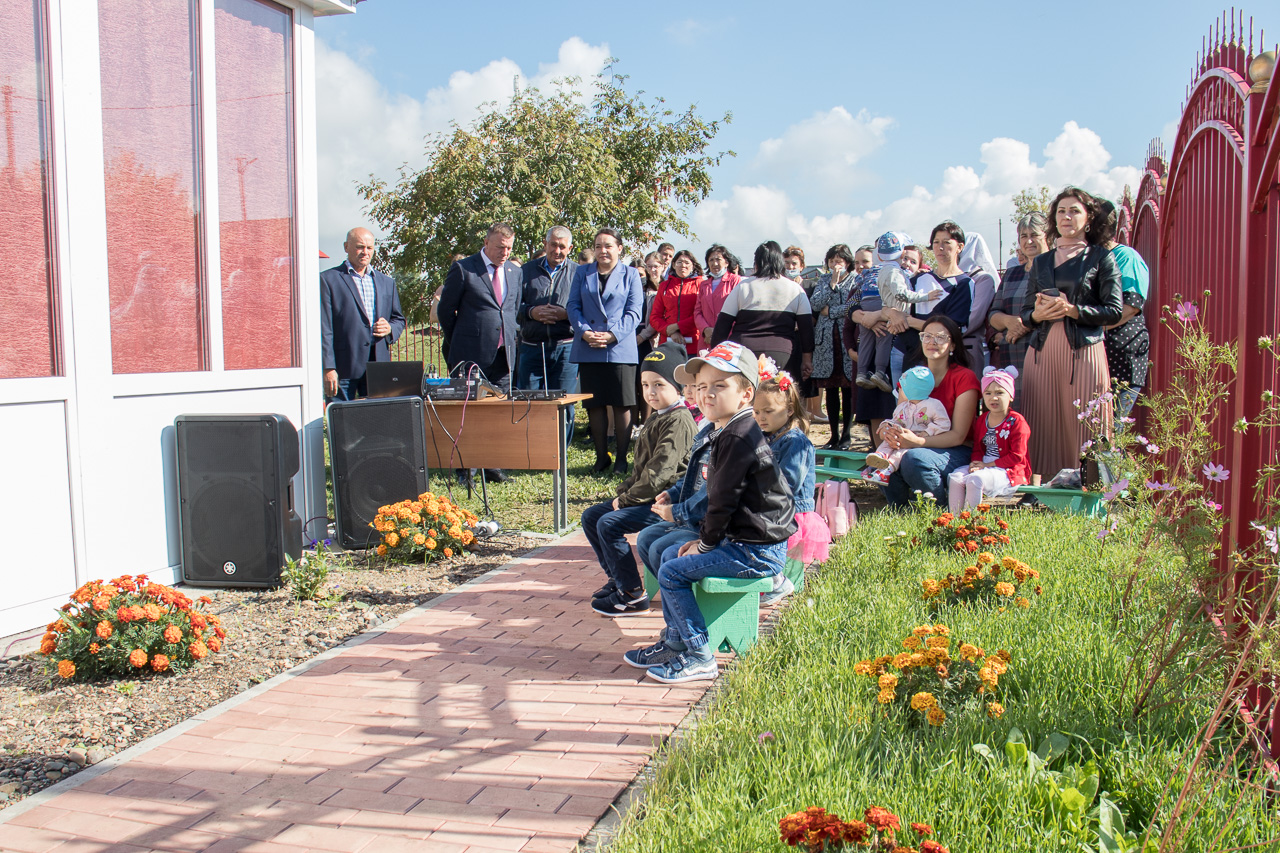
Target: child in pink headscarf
{"points": [[1000, 461]]}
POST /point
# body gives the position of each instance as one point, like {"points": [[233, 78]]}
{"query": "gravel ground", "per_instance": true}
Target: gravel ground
{"points": [[50, 729]]}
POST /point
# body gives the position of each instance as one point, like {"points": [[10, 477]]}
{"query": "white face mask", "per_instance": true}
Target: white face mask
{"points": [[794, 273], [837, 272]]}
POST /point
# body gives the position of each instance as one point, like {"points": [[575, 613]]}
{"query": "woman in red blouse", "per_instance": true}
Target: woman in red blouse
{"points": [[677, 300], [930, 459]]}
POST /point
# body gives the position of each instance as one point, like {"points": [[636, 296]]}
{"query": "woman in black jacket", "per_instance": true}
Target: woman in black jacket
{"points": [[1073, 294]]}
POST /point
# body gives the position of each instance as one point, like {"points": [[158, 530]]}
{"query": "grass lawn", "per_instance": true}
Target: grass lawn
{"points": [[723, 788]]}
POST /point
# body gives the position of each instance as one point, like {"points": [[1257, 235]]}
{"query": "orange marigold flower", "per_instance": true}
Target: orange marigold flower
{"points": [[971, 546], [382, 550], [93, 648], [936, 716], [205, 600], [1004, 588], [938, 642], [214, 644], [48, 645], [152, 612], [220, 631], [104, 629], [102, 602], [138, 658], [419, 539], [159, 663], [66, 668], [995, 710], [986, 558], [942, 630], [932, 847], [923, 829], [882, 819], [922, 630], [887, 681], [448, 552], [172, 634], [982, 528], [923, 701], [431, 544], [1022, 602], [198, 650], [911, 643], [198, 621], [968, 651], [1002, 524], [124, 614], [885, 696]]}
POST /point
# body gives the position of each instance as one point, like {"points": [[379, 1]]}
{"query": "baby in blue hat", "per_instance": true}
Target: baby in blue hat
{"points": [[917, 412]]}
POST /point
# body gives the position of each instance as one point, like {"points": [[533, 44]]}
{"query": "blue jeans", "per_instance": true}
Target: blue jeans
{"points": [[727, 560], [895, 365], [925, 469], [606, 530], [560, 374], [653, 542], [1126, 397], [350, 389]]}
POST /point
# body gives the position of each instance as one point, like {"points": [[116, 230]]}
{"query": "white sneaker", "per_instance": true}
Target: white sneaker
{"points": [[782, 587]]}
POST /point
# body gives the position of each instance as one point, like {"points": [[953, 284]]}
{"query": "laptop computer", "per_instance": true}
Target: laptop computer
{"points": [[394, 378]]}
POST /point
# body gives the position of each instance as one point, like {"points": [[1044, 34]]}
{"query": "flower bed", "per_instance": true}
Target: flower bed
{"points": [[129, 626]]}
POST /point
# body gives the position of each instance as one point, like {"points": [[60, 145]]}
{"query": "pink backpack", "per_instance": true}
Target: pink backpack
{"points": [[834, 505]]}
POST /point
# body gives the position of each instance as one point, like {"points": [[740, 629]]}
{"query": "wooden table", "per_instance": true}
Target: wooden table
{"points": [[522, 435]]}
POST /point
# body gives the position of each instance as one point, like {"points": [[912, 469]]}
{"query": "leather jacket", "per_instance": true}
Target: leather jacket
{"points": [[1097, 296], [748, 500]]}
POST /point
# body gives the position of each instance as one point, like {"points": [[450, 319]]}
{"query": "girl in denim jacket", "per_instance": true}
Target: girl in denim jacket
{"points": [[782, 418]]}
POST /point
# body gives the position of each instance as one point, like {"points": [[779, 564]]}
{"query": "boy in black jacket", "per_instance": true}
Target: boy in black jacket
{"points": [[750, 515]]}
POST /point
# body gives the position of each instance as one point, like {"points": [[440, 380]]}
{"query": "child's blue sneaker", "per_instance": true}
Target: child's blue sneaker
{"points": [[658, 653], [685, 666]]}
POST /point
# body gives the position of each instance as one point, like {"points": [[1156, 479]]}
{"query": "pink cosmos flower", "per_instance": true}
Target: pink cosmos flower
{"points": [[1186, 311], [1215, 473]]}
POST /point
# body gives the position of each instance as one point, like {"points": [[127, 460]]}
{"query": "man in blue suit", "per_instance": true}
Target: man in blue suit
{"points": [[477, 312], [478, 305], [360, 317]]}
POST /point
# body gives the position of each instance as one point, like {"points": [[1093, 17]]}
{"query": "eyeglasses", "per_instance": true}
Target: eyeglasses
{"points": [[935, 339]]}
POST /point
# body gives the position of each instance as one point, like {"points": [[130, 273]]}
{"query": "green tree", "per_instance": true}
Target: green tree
{"points": [[1029, 201], [614, 159]]}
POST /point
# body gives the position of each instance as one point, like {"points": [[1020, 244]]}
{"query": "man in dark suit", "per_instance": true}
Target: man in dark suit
{"points": [[477, 312], [360, 317], [478, 305]]}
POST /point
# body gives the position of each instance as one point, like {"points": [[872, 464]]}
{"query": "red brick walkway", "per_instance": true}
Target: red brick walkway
{"points": [[499, 718]]}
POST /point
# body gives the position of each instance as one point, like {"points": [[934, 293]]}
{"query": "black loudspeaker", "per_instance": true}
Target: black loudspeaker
{"points": [[379, 453], [235, 498]]}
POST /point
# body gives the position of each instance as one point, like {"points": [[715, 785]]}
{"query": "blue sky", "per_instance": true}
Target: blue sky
{"points": [[848, 118]]}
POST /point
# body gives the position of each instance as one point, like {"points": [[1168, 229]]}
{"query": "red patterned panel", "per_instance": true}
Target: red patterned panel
{"points": [[149, 123], [253, 45], [28, 328]]}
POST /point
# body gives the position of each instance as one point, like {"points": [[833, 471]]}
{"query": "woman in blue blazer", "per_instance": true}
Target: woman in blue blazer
{"points": [[605, 302]]}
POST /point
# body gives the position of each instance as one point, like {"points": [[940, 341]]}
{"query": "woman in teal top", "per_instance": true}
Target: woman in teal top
{"points": [[1128, 342]]}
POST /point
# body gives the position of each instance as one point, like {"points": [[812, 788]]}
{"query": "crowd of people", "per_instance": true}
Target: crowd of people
{"points": [[969, 376]]}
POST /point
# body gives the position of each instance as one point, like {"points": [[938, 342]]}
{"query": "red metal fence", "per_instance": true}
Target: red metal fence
{"points": [[1207, 218]]}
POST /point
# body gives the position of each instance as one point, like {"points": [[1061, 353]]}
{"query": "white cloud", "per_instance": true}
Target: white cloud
{"points": [[363, 129], [817, 158], [977, 198]]}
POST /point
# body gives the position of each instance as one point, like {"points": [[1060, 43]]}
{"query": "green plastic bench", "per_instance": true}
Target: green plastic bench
{"points": [[730, 606], [1074, 501], [838, 465]]}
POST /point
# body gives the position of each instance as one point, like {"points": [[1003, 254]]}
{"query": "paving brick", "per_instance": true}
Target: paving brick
{"points": [[541, 822], [466, 836], [175, 839], [513, 798], [325, 838], [409, 825], [470, 813], [25, 839], [439, 790], [372, 801], [259, 828]]}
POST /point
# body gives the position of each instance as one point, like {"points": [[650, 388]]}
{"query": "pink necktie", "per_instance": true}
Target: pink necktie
{"points": [[496, 275]]}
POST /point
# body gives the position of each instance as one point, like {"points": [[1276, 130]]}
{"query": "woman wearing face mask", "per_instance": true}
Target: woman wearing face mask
{"points": [[834, 296], [712, 292], [1073, 294], [794, 258], [1007, 335]]}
